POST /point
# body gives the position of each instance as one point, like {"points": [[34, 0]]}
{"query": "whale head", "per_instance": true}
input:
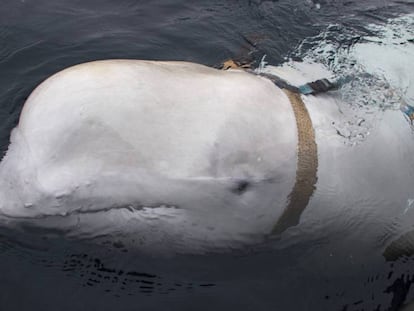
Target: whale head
{"points": [[168, 151]]}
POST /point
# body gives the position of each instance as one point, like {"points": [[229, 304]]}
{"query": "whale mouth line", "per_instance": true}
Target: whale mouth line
{"points": [[127, 207]]}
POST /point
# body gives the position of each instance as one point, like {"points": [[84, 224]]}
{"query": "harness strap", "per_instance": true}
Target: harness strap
{"points": [[307, 161], [307, 167], [408, 111]]}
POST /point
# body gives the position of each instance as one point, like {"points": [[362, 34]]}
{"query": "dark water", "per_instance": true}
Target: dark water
{"points": [[39, 38]]}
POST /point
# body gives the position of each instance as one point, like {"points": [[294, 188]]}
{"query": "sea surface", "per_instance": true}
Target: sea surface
{"points": [[366, 265]]}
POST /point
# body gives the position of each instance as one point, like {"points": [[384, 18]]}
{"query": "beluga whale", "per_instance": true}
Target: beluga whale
{"points": [[173, 150], [178, 155]]}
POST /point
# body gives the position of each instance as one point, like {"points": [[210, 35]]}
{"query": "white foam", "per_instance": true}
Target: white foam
{"points": [[380, 68], [299, 73], [391, 55]]}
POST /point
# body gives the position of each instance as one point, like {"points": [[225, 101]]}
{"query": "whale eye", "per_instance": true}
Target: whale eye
{"points": [[241, 187]]}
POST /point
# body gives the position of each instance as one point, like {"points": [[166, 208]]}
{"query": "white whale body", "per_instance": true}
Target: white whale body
{"points": [[175, 155], [166, 145]]}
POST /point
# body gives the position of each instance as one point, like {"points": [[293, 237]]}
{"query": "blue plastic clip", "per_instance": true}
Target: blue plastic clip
{"points": [[408, 111]]}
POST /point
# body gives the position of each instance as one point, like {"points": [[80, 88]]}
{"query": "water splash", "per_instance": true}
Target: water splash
{"points": [[374, 87]]}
